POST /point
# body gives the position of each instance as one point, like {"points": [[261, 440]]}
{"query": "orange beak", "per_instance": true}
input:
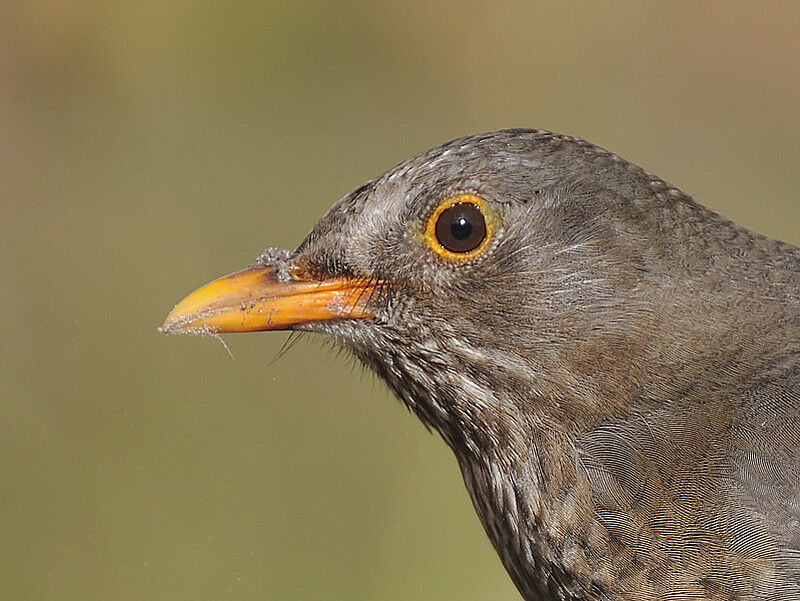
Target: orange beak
{"points": [[253, 299]]}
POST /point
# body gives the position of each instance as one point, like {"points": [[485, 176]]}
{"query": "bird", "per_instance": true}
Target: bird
{"points": [[614, 366]]}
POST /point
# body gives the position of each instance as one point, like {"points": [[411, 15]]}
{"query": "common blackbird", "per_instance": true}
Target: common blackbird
{"points": [[615, 366]]}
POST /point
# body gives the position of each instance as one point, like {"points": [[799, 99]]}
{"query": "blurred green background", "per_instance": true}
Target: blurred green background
{"points": [[146, 148]]}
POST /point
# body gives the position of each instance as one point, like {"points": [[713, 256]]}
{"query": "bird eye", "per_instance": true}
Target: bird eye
{"points": [[460, 227]]}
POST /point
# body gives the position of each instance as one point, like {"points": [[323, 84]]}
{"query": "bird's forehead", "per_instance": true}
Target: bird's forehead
{"points": [[480, 163], [501, 167]]}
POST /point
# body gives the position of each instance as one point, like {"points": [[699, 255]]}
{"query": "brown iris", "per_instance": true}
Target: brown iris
{"points": [[460, 227]]}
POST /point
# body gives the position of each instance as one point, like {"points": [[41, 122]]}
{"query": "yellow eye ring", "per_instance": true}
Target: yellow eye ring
{"points": [[460, 228]]}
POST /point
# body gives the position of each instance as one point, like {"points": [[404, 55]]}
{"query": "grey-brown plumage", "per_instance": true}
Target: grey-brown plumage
{"points": [[617, 373]]}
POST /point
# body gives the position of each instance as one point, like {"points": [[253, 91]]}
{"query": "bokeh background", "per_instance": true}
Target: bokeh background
{"points": [[147, 147]]}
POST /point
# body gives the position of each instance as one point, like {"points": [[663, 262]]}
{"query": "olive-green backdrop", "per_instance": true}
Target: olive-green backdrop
{"points": [[147, 147]]}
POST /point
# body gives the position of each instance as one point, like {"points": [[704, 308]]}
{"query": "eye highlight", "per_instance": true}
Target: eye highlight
{"points": [[460, 228]]}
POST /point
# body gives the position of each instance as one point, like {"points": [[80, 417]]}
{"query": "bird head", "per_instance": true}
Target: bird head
{"points": [[494, 282]]}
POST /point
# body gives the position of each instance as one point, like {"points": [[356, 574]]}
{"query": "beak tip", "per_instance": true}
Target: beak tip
{"points": [[169, 328], [171, 325], [178, 327], [177, 323]]}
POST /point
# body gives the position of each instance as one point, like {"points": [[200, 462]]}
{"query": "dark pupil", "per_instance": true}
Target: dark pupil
{"points": [[461, 228]]}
